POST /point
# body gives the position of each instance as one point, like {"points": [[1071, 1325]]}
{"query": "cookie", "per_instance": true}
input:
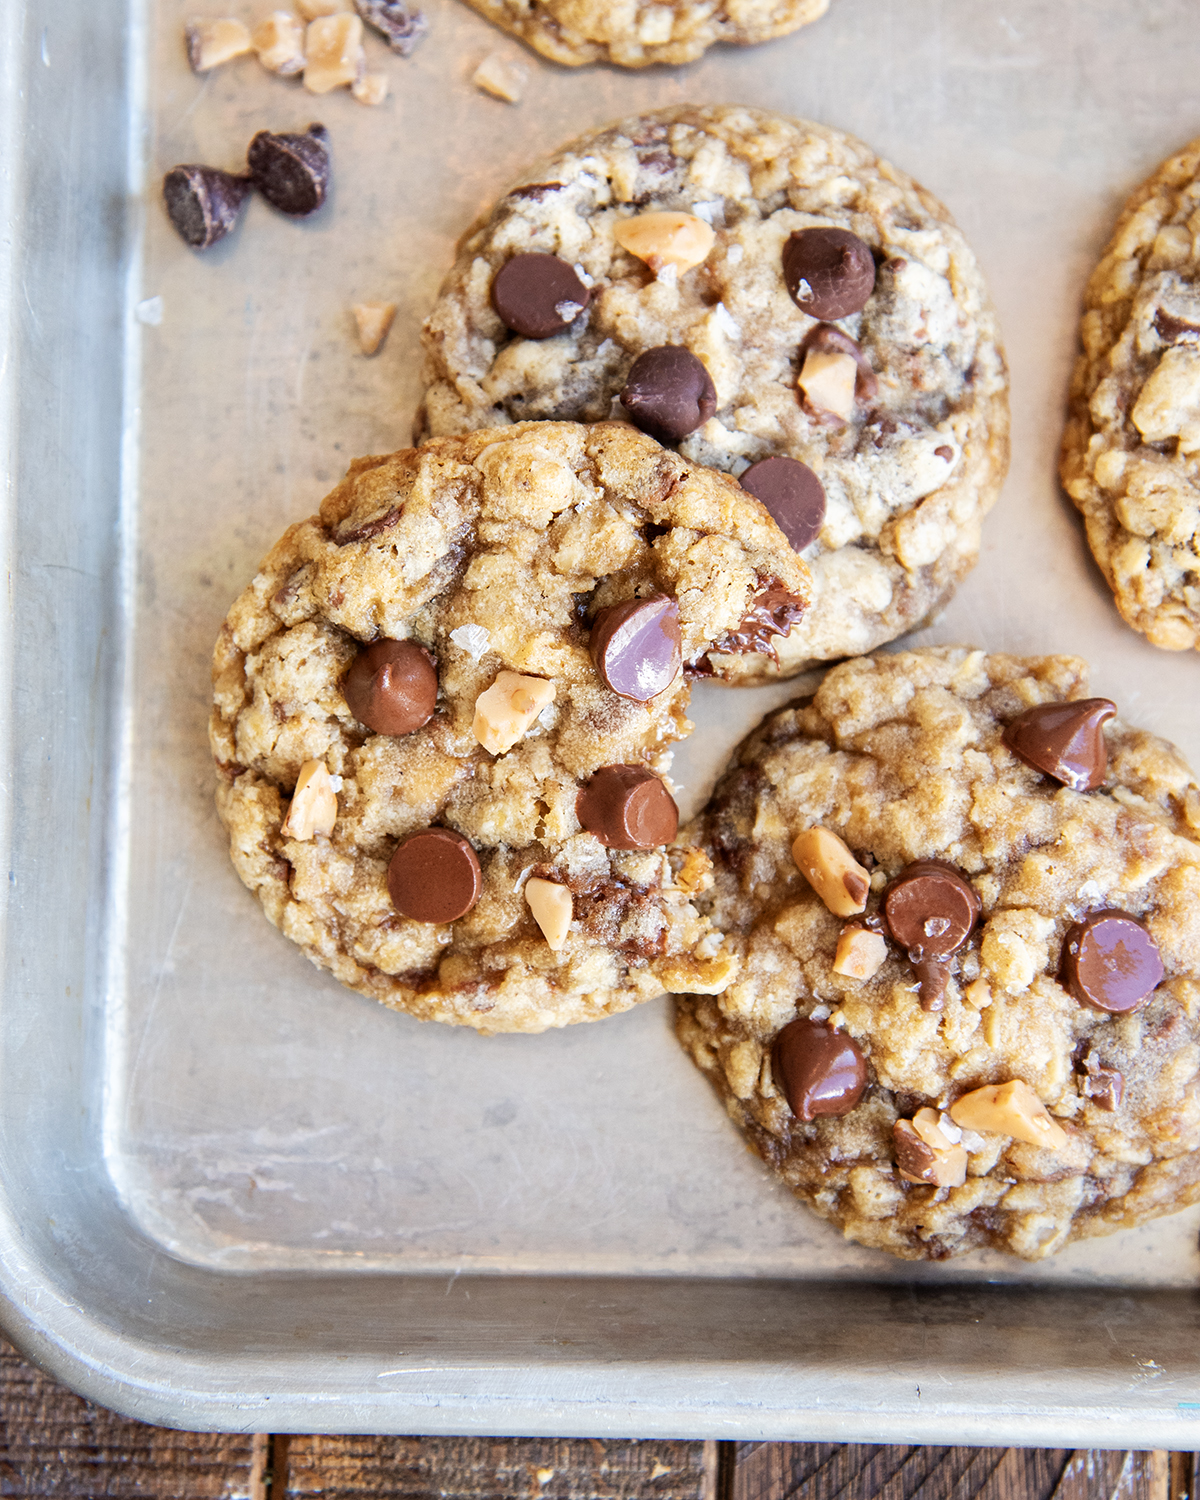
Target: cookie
{"points": [[1131, 449], [797, 301], [443, 713], [966, 901], [635, 33]]}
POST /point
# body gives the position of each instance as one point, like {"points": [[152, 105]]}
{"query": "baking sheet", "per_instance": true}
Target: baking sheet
{"points": [[255, 1118]]}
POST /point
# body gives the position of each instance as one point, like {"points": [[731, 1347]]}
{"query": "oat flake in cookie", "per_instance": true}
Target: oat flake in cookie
{"points": [[836, 310], [635, 33], [427, 780], [1028, 1015], [1131, 450]]}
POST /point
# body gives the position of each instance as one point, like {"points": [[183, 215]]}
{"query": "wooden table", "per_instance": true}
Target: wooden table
{"points": [[53, 1443]]}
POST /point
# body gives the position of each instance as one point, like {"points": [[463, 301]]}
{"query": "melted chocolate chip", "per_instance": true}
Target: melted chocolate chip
{"points": [[391, 687], [1064, 740], [771, 614], [291, 171], [829, 273], [930, 909], [204, 203], [628, 807], [1110, 962], [434, 876], [1103, 1085], [669, 393], [538, 295], [369, 529], [820, 1071], [637, 646], [792, 493], [1173, 330]]}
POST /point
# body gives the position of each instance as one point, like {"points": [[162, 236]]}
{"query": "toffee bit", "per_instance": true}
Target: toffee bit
{"points": [[401, 25]]}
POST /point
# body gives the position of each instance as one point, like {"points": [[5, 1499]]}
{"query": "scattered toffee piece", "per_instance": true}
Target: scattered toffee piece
{"points": [[538, 295], [637, 646], [669, 393], [628, 807], [401, 25], [829, 273], [204, 203], [930, 909], [391, 687], [1110, 962], [291, 171], [1064, 740], [819, 1070], [792, 493], [771, 614], [826, 339], [1103, 1085], [434, 876]]}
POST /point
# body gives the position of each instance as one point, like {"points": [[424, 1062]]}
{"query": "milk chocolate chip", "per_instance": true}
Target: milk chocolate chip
{"points": [[792, 493], [628, 807], [1064, 740], [1110, 961], [291, 171], [204, 203], [637, 646], [819, 1070], [538, 295], [434, 876], [829, 273], [669, 393], [930, 909], [391, 687]]}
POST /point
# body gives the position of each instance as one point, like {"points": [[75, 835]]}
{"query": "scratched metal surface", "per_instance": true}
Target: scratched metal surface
{"points": [[243, 1112]]}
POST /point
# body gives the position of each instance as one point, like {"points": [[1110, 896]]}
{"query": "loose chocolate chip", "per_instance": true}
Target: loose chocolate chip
{"points": [[829, 273], [628, 807], [1110, 961], [930, 909], [400, 24], [819, 1070], [637, 646], [391, 687], [204, 203], [1064, 740], [792, 493], [434, 876], [291, 171], [669, 393], [538, 295], [826, 339]]}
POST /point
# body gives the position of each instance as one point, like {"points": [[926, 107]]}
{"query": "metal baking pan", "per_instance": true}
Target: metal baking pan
{"points": [[237, 1196]]}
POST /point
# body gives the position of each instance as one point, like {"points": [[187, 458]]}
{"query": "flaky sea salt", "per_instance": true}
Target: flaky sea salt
{"points": [[473, 639]]}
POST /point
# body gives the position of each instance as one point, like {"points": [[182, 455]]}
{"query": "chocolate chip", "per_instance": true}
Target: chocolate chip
{"points": [[792, 493], [770, 615], [669, 393], [391, 687], [829, 273], [826, 339], [291, 171], [204, 203], [1173, 330], [930, 909], [434, 876], [1103, 1085], [912, 1154], [637, 646], [628, 807], [1064, 740], [538, 295], [819, 1070], [1109, 961], [400, 24]]}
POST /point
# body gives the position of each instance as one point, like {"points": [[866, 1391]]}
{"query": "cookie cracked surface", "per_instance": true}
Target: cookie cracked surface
{"points": [[1131, 449], [493, 552], [912, 471], [636, 33], [902, 757]]}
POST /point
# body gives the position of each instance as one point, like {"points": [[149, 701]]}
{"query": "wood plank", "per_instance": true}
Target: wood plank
{"points": [[54, 1443], [397, 1468], [852, 1471]]}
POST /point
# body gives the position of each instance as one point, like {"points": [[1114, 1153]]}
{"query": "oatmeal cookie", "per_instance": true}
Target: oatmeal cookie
{"points": [[1131, 450], [966, 900], [635, 33], [751, 288], [444, 710]]}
